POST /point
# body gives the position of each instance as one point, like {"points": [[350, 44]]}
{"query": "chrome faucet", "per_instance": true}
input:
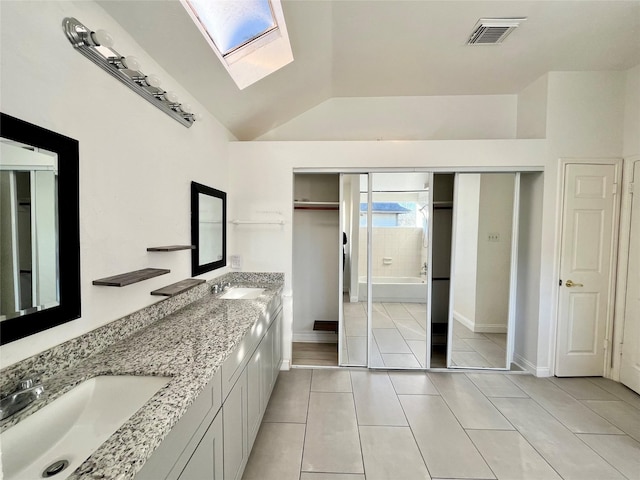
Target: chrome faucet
{"points": [[27, 391], [424, 269]]}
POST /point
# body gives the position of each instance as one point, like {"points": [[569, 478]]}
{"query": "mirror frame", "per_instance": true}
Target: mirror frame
{"points": [[196, 190], [69, 307]]}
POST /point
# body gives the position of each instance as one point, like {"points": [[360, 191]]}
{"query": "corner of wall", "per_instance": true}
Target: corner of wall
{"points": [[532, 109]]}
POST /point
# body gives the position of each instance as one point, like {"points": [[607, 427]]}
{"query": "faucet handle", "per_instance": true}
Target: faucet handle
{"points": [[30, 381]]}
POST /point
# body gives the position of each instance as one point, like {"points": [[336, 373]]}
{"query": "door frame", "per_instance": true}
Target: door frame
{"points": [[623, 263], [562, 163]]}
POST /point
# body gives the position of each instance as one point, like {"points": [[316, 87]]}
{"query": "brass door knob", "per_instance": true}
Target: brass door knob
{"points": [[571, 283]]}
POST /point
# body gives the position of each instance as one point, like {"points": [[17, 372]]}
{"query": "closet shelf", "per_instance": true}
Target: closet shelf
{"points": [[170, 248], [316, 205], [178, 287], [128, 278]]}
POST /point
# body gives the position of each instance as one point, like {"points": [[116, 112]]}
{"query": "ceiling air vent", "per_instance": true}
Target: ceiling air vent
{"points": [[490, 31]]}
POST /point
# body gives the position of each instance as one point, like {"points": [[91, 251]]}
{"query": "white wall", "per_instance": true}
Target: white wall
{"points": [[632, 113], [404, 118], [532, 110], [494, 258], [466, 202], [525, 349], [261, 180], [136, 163]]}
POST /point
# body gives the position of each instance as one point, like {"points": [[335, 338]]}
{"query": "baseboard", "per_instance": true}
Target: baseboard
{"points": [[543, 372], [285, 365], [315, 337], [491, 328], [464, 321], [525, 364]]}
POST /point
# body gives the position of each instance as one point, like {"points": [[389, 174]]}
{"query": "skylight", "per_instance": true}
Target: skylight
{"points": [[232, 23], [249, 36]]}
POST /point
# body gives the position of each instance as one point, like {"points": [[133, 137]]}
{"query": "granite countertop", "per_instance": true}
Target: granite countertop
{"points": [[189, 346]]}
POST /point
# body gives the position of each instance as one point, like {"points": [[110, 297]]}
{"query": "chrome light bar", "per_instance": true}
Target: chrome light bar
{"points": [[96, 46]]}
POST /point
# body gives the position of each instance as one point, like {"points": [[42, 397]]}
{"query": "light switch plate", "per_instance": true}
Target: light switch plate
{"points": [[236, 262]]}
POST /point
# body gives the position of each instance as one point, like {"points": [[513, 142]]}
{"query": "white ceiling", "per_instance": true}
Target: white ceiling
{"points": [[372, 48]]}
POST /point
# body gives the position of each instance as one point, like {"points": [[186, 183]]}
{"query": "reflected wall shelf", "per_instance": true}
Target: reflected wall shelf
{"points": [[170, 248], [316, 205], [178, 287], [128, 278]]}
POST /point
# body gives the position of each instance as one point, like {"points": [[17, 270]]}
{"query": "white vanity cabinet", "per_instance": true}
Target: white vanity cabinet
{"points": [[214, 437]]}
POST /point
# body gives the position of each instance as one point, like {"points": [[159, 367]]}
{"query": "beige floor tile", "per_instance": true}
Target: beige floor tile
{"points": [[460, 345], [582, 389], [354, 309], [412, 383], [400, 360], [290, 397], [331, 380], [574, 415], [498, 338], [410, 329], [622, 415], [469, 359], [496, 355], [332, 443], [397, 310], [276, 453], [391, 453], [510, 456], [463, 332], [389, 340], [445, 447], [355, 327], [468, 404], [619, 390], [565, 452], [419, 350], [331, 476], [376, 400], [621, 451], [495, 385], [357, 350]]}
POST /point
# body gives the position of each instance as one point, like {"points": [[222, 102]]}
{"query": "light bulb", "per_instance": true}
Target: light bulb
{"points": [[186, 107], [131, 62], [171, 97], [102, 38], [153, 81]]}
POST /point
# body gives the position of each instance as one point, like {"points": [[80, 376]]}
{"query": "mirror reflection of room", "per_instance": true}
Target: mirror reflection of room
{"points": [[482, 259], [399, 213], [28, 242]]}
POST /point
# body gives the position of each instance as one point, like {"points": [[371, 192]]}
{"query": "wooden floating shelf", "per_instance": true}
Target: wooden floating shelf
{"points": [[128, 278], [178, 287], [171, 248]]}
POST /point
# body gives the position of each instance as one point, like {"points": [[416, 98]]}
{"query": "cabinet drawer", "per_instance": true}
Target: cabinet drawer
{"points": [[233, 366], [176, 449]]}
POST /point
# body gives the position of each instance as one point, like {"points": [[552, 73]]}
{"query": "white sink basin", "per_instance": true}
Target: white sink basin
{"points": [[242, 293], [73, 426]]}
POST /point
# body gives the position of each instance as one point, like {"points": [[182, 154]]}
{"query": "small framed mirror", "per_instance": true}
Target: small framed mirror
{"points": [[208, 228], [39, 236]]}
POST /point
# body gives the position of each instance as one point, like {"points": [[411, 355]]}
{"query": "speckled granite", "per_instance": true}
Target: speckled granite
{"points": [[70, 353], [189, 344]]}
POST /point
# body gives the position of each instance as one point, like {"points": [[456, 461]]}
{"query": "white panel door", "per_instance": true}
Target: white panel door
{"points": [[630, 365], [586, 268]]}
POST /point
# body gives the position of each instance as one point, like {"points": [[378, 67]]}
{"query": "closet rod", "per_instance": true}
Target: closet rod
{"points": [[257, 222]]}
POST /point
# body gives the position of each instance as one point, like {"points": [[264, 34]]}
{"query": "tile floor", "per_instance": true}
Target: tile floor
{"points": [[341, 424], [399, 339]]}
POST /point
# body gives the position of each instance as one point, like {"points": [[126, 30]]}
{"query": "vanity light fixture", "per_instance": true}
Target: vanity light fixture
{"points": [[98, 47]]}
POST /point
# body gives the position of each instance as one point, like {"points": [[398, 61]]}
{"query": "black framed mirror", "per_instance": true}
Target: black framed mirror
{"points": [[40, 234], [208, 228]]}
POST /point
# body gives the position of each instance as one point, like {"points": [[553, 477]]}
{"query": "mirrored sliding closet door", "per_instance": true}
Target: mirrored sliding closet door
{"points": [[483, 260]]}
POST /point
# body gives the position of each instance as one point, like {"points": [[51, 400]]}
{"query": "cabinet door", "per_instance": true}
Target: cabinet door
{"points": [[206, 461], [266, 348], [234, 417], [255, 374]]}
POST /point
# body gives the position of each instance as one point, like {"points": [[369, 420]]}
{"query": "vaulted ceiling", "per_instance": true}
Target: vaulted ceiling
{"points": [[374, 48]]}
